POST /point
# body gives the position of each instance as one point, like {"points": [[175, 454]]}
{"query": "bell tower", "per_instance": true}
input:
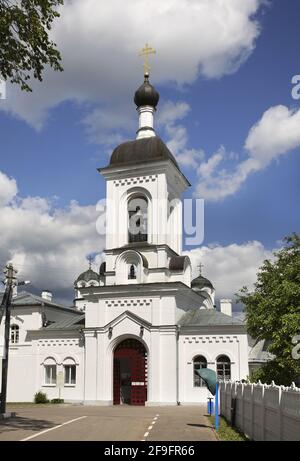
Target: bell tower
{"points": [[144, 185]]}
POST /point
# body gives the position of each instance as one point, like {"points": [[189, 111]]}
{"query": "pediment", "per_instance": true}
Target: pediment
{"points": [[127, 315]]}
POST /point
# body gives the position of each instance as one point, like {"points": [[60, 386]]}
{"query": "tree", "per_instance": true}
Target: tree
{"points": [[25, 47], [273, 311]]}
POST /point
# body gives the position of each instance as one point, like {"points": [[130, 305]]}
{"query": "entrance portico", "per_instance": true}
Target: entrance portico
{"points": [[130, 373]]}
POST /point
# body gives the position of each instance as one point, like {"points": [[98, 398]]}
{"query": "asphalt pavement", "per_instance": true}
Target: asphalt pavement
{"points": [[115, 423]]}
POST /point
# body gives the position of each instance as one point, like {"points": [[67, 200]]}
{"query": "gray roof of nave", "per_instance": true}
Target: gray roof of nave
{"points": [[207, 317], [28, 299], [73, 323]]}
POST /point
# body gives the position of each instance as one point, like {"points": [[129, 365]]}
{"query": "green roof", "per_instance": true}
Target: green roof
{"points": [[207, 317]]}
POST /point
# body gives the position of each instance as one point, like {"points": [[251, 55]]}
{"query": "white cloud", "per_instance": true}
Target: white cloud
{"points": [[169, 118], [49, 246], [275, 134], [107, 127], [231, 267], [8, 189], [99, 43]]}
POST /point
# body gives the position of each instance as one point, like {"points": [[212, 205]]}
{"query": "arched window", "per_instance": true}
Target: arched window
{"points": [[199, 362], [224, 368], [132, 272], [138, 219], [69, 371], [14, 334], [50, 372]]}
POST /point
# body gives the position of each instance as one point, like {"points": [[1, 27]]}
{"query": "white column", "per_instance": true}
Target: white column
{"points": [[90, 376]]}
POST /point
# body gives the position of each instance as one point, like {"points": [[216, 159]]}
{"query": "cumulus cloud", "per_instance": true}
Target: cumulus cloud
{"points": [[275, 134], [8, 189], [169, 120], [229, 267], [48, 245], [99, 43]]}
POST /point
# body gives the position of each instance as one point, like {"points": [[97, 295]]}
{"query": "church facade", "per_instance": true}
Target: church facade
{"points": [[140, 326]]}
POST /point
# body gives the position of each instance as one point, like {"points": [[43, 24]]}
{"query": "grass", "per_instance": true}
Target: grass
{"points": [[226, 432]]}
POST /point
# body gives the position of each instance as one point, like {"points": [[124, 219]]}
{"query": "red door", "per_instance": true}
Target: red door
{"points": [[134, 353]]}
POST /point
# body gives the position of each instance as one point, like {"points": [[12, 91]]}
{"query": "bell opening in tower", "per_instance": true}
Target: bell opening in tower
{"points": [[137, 220]]}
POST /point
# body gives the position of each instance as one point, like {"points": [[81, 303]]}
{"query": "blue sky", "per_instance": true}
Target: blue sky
{"points": [[55, 156]]}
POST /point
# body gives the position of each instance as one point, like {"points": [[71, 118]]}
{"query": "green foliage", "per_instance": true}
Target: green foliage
{"points": [[25, 47], [273, 312], [40, 397], [57, 401]]}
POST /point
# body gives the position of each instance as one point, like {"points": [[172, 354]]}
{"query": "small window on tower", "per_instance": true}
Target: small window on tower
{"points": [[132, 272], [14, 334]]}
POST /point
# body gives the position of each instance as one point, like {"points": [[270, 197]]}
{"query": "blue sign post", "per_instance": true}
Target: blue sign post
{"points": [[217, 407]]}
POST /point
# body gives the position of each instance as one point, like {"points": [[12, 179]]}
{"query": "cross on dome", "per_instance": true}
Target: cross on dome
{"points": [[200, 267], [146, 51]]}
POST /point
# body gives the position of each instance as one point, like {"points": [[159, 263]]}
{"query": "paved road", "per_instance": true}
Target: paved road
{"points": [[117, 423]]}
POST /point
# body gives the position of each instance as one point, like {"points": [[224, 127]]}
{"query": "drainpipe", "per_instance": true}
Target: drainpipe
{"points": [[177, 364]]}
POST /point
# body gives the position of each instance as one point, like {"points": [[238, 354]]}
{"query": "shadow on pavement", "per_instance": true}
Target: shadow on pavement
{"points": [[198, 425], [19, 423]]}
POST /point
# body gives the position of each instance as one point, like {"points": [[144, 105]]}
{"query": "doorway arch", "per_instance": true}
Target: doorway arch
{"points": [[130, 373]]}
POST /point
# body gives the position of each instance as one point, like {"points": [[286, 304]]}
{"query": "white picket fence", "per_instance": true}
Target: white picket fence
{"points": [[263, 412]]}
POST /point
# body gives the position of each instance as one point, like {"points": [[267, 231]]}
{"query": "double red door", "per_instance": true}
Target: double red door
{"points": [[133, 353]]}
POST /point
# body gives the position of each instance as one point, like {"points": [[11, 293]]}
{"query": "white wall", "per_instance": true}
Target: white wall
{"points": [[211, 346], [26, 374]]}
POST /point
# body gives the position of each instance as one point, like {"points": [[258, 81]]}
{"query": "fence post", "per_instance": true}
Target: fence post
{"points": [[252, 413], [263, 410], [280, 422], [242, 409]]}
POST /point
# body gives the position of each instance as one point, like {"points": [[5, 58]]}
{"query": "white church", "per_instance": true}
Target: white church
{"points": [[139, 327]]}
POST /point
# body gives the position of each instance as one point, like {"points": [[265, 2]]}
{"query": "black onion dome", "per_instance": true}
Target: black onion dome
{"points": [[201, 282], [87, 276], [143, 150], [146, 95]]}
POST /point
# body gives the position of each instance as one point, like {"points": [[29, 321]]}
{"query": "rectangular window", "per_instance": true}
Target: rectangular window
{"points": [[223, 371], [14, 334], [70, 374], [50, 374]]}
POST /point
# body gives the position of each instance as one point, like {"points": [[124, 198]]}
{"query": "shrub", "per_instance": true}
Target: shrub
{"points": [[40, 397], [57, 401]]}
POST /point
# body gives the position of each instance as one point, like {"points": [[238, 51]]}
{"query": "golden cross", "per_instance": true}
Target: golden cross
{"points": [[146, 51]]}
